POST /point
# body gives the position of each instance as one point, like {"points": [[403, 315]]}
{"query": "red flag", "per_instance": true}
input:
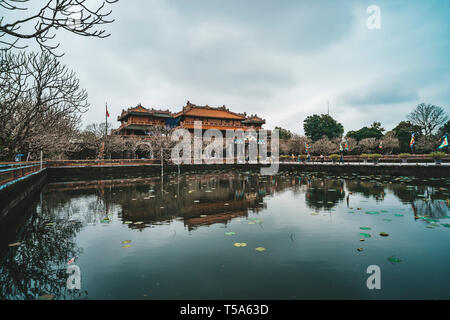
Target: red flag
{"points": [[107, 113]]}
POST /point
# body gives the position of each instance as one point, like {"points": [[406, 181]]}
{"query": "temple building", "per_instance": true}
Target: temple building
{"points": [[139, 120]]}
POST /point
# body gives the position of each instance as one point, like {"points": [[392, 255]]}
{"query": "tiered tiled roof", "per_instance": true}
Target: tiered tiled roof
{"points": [[209, 112], [140, 110], [254, 119]]}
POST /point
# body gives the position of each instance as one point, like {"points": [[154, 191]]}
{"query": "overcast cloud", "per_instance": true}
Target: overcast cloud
{"points": [[280, 59]]}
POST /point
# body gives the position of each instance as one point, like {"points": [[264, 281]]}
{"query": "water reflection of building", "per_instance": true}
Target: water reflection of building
{"points": [[208, 198], [204, 200]]}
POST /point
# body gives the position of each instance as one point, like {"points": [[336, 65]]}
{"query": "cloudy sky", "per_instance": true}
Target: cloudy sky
{"points": [[280, 59]]}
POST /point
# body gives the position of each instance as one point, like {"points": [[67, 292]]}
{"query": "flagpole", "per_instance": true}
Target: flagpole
{"points": [[106, 129]]}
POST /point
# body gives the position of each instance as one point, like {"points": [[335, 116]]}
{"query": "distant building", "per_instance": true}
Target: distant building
{"points": [[139, 120]]}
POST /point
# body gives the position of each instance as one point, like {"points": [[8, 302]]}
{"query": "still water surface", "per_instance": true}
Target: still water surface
{"points": [[144, 238]]}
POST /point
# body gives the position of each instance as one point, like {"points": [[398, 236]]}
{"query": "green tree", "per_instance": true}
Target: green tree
{"points": [[403, 133], [374, 131], [316, 127], [284, 133]]}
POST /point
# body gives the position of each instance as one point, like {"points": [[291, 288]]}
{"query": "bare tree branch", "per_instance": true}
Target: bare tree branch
{"points": [[74, 16]]}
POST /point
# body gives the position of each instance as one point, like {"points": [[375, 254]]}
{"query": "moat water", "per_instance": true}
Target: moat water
{"points": [[232, 235]]}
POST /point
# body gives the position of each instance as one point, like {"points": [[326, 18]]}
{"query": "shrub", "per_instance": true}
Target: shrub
{"points": [[334, 157], [404, 155], [375, 156], [437, 155], [364, 156]]}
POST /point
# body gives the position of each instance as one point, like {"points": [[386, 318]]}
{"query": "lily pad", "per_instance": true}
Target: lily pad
{"points": [[365, 228], [128, 222], [260, 249], [394, 259], [126, 241], [365, 235], [372, 212], [126, 246], [240, 244], [231, 233], [398, 215]]}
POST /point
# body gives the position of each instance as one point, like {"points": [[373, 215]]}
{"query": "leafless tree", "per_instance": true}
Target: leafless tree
{"points": [[425, 144], [42, 23], [38, 96], [390, 142], [297, 144], [429, 117], [324, 146], [161, 142], [368, 145], [352, 145]]}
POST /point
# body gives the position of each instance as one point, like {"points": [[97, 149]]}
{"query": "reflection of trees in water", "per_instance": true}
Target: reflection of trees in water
{"points": [[38, 266], [324, 193], [366, 188], [435, 209], [410, 193]]}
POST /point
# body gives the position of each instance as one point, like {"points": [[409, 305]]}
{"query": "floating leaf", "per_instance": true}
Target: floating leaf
{"points": [[365, 228], [387, 220], [435, 225], [372, 212], [383, 210], [126, 246], [231, 233], [128, 222], [46, 297], [360, 249], [260, 249], [384, 234], [394, 259], [126, 241], [314, 214], [251, 222], [240, 244], [365, 235], [362, 240], [398, 215]]}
